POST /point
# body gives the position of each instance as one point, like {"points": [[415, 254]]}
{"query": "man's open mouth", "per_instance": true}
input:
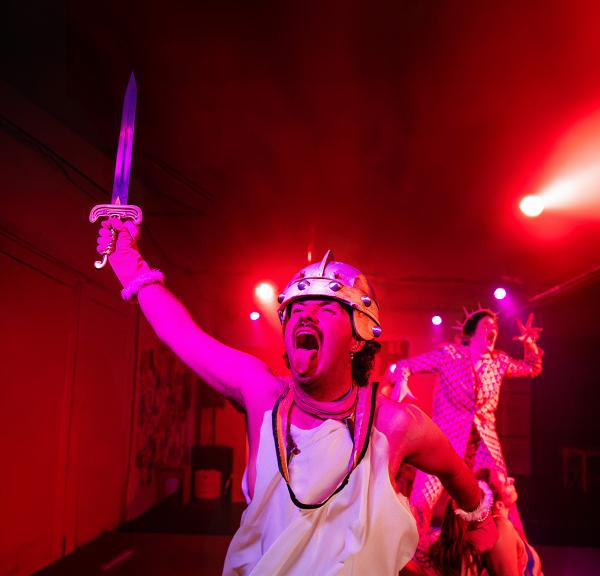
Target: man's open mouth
{"points": [[307, 341], [304, 358]]}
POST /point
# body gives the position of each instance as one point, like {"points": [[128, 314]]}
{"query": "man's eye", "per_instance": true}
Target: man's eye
{"points": [[330, 309]]}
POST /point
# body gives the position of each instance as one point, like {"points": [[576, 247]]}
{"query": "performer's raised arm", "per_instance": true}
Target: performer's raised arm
{"points": [[429, 362], [225, 369], [531, 365]]}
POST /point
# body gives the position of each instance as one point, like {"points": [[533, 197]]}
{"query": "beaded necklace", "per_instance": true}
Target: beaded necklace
{"points": [[361, 420]]}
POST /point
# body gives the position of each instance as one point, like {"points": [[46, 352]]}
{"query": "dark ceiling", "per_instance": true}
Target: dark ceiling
{"points": [[400, 134]]}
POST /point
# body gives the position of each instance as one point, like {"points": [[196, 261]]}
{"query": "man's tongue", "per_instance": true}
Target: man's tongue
{"points": [[302, 359]]}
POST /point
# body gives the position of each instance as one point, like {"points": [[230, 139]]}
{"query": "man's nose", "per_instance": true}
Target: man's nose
{"points": [[309, 312]]}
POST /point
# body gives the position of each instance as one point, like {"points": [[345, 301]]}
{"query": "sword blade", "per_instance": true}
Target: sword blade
{"points": [[123, 166]]}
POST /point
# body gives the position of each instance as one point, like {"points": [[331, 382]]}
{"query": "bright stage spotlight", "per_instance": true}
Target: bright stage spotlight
{"points": [[532, 206], [436, 320], [393, 368], [499, 293], [254, 316], [265, 292]]}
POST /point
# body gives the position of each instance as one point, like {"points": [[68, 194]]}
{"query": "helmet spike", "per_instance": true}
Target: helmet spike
{"points": [[326, 259]]}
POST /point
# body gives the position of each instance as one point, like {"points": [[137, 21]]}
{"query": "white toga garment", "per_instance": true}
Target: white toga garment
{"points": [[367, 528]]}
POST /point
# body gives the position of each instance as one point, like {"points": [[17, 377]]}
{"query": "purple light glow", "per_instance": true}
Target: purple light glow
{"points": [[254, 316], [436, 320]]}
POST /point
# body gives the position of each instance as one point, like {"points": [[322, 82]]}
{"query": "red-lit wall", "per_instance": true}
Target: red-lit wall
{"points": [[69, 400]]}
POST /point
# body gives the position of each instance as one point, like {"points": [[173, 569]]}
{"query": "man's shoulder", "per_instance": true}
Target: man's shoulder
{"points": [[452, 349], [261, 399], [393, 417], [263, 393], [500, 355], [402, 424]]}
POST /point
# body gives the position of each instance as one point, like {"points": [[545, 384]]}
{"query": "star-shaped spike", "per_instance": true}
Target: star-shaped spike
{"points": [[529, 333]]}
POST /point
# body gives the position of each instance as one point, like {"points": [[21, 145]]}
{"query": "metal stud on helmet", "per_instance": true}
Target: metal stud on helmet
{"points": [[341, 282]]}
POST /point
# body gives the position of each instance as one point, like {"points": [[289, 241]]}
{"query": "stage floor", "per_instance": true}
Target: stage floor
{"points": [[147, 554], [174, 541]]}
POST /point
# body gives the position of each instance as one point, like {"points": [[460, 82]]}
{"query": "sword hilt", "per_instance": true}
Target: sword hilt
{"points": [[121, 211]]}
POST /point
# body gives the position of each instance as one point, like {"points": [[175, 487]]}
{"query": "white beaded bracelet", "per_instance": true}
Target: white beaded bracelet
{"points": [[151, 277], [483, 510]]}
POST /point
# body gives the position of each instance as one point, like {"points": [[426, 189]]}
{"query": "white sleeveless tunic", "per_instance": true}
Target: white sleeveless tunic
{"points": [[367, 528]]}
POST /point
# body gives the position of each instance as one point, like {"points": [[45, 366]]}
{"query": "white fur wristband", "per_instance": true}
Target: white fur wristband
{"points": [[151, 277], [483, 510]]}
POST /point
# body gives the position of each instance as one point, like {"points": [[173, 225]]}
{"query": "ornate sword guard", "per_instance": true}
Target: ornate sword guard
{"points": [[121, 211]]}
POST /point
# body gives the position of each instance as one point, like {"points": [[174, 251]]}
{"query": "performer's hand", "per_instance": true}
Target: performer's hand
{"points": [[509, 492], [504, 486], [397, 377], [125, 258], [482, 535], [388, 381], [529, 334]]}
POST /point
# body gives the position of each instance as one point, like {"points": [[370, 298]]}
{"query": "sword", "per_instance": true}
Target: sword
{"points": [[119, 207]]}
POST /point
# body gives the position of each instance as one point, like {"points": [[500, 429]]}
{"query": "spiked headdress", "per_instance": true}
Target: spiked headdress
{"points": [[469, 315]]}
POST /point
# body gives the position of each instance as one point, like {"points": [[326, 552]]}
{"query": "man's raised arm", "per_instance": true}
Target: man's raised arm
{"points": [[234, 374]]}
